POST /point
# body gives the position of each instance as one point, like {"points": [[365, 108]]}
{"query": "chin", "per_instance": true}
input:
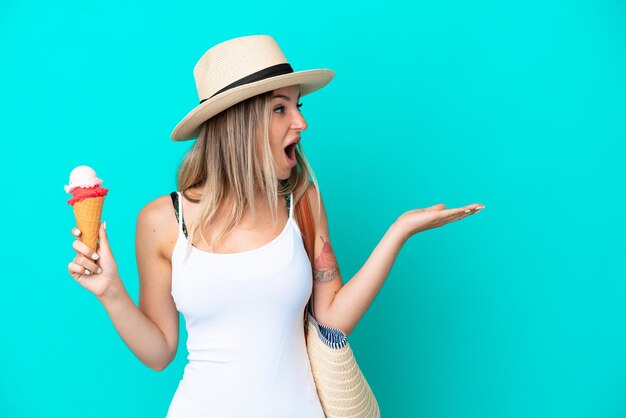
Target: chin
{"points": [[284, 176]]}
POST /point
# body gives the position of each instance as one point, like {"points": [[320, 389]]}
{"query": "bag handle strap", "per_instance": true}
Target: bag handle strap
{"points": [[305, 221]]}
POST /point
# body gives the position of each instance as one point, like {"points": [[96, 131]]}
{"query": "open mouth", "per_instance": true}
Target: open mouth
{"points": [[290, 151]]}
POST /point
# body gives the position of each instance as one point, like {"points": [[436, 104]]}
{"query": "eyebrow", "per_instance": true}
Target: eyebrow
{"points": [[282, 96]]}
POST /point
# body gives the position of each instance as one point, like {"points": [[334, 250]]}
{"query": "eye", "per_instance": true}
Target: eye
{"points": [[281, 108]]}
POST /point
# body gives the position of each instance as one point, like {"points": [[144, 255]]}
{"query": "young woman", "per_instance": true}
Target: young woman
{"points": [[226, 251]]}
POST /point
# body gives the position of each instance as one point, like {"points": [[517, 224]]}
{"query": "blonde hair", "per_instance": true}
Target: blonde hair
{"points": [[232, 157]]}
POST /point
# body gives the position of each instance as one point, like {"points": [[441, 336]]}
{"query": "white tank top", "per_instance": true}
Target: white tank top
{"points": [[244, 317]]}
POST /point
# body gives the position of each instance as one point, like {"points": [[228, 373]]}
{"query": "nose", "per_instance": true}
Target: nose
{"points": [[298, 123]]}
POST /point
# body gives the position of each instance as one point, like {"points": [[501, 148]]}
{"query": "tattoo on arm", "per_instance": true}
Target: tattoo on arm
{"points": [[325, 266]]}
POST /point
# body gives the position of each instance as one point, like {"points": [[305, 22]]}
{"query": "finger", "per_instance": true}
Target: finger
{"points": [[452, 215], [76, 232], [457, 216], [103, 240], [87, 263], [456, 211], [77, 271], [469, 209], [475, 208], [438, 206], [85, 250]]}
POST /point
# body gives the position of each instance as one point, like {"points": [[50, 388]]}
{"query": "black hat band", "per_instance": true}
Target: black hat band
{"points": [[273, 71]]}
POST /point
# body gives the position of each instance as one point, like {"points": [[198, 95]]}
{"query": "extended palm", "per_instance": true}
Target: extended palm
{"points": [[418, 220]]}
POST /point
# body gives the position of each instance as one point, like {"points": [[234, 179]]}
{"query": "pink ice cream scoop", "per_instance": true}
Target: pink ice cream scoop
{"points": [[84, 184], [82, 176]]}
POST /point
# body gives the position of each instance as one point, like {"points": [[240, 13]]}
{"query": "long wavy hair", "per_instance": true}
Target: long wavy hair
{"points": [[232, 157]]}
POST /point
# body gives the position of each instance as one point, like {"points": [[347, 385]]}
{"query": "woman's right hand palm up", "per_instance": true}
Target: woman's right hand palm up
{"points": [[97, 283]]}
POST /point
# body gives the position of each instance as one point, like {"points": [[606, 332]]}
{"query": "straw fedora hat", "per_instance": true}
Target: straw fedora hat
{"points": [[238, 69]]}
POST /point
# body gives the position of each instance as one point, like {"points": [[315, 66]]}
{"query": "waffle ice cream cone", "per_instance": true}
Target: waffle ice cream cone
{"points": [[88, 213], [87, 200]]}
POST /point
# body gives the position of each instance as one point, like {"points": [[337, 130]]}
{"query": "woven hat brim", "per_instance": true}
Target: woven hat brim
{"points": [[308, 80]]}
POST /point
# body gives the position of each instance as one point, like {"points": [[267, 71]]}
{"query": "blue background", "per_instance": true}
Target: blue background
{"points": [[517, 311]]}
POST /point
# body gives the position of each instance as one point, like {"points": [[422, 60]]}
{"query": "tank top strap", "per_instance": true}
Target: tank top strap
{"points": [[289, 199], [178, 210]]}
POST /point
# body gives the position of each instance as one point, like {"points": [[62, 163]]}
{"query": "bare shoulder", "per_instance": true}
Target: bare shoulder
{"points": [[318, 210], [157, 226], [314, 199]]}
